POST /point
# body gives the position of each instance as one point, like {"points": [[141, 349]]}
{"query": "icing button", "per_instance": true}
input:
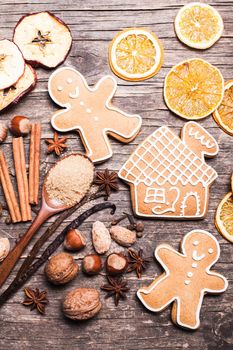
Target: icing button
{"points": [[190, 274], [187, 282], [194, 265], [210, 251], [59, 88], [195, 243], [96, 119], [81, 103], [88, 110], [69, 80]]}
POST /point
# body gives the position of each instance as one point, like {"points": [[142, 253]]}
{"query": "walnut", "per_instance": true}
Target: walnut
{"points": [[81, 304], [61, 268]]}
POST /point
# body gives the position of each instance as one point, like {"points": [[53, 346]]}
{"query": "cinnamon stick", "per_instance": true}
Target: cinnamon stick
{"points": [[21, 177], [34, 164], [8, 190]]}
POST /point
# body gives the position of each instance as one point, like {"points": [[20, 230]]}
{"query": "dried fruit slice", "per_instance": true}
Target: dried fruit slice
{"points": [[193, 89], [43, 39], [14, 93], [11, 64], [224, 114], [135, 54], [198, 25], [224, 217]]}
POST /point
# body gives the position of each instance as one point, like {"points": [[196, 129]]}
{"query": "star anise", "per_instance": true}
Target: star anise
{"points": [[137, 262], [36, 299], [107, 181], [116, 288], [56, 145]]}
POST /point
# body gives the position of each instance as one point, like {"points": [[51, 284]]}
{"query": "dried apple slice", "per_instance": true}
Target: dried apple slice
{"points": [[11, 63], [43, 39], [14, 93]]}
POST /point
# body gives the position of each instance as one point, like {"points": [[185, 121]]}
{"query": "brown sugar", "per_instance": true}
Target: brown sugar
{"points": [[70, 179]]}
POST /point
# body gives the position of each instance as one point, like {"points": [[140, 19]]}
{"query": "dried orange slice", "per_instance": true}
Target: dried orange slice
{"points": [[193, 89], [198, 25], [224, 217], [135, 54], [224, 114]]}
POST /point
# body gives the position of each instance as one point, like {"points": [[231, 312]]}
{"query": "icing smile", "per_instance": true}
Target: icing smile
{"points": [[197, 257], [74, 94]]}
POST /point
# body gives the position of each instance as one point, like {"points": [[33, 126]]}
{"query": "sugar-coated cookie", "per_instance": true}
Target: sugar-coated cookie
{"points": [[168, 175], [89, 111], [186, 280]]}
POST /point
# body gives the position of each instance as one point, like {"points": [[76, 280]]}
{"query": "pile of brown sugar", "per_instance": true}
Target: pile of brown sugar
{"points": [[70, 179]]}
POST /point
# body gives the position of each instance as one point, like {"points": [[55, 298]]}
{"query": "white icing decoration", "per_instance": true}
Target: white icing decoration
{"points": [[88, 110], [195, 243], [81, 103], [197, 257], [187, 282], [69, 80], [96, 119], [59, 88], [190, 274], [195, 133], [198, 203], [171, 161], [74, 94], [167, 274], [210, 250], [194, 265], [172, 205]]}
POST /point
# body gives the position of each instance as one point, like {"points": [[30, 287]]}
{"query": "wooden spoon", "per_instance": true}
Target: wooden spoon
{"points": [[50, 206]]}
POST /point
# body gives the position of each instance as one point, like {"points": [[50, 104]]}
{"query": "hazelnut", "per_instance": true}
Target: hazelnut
{"points": [[100, 237], [74, 240], [116, 263], [81, 304], [3, 132], [92, 264], [4, 248], [20, 126], [61, 268], [123, 236]]}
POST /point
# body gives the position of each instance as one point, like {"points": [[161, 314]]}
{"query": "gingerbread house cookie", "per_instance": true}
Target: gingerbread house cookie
{"points": [[187, 278], [168, 175], [90, 112]]}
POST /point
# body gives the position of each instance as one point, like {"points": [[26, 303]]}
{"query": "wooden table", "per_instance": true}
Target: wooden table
{"points": [[129, 326]]}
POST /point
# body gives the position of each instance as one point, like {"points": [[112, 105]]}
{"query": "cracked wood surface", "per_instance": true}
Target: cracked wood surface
{"points": [[128, 327]]}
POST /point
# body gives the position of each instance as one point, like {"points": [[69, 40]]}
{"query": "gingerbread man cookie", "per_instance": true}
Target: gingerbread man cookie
{"points": [[187, 278], [89, 111], [168, 175]]}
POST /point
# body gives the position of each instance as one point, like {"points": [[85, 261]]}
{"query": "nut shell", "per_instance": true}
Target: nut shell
{"points": [[100, 237], [123, 236], [81, 304], [92, 264], [61, 268], [74, 240], [116, 263], [20, 126], [4, 248]]}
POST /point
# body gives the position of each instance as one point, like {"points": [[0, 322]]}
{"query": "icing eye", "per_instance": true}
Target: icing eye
{"points": [[88, 110], [59, 88], [81, 103], [210, 251], [69, 80], [195, 243]]}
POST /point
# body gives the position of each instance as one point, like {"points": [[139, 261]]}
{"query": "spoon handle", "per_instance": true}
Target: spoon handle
{"points": [[9, 262]]}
